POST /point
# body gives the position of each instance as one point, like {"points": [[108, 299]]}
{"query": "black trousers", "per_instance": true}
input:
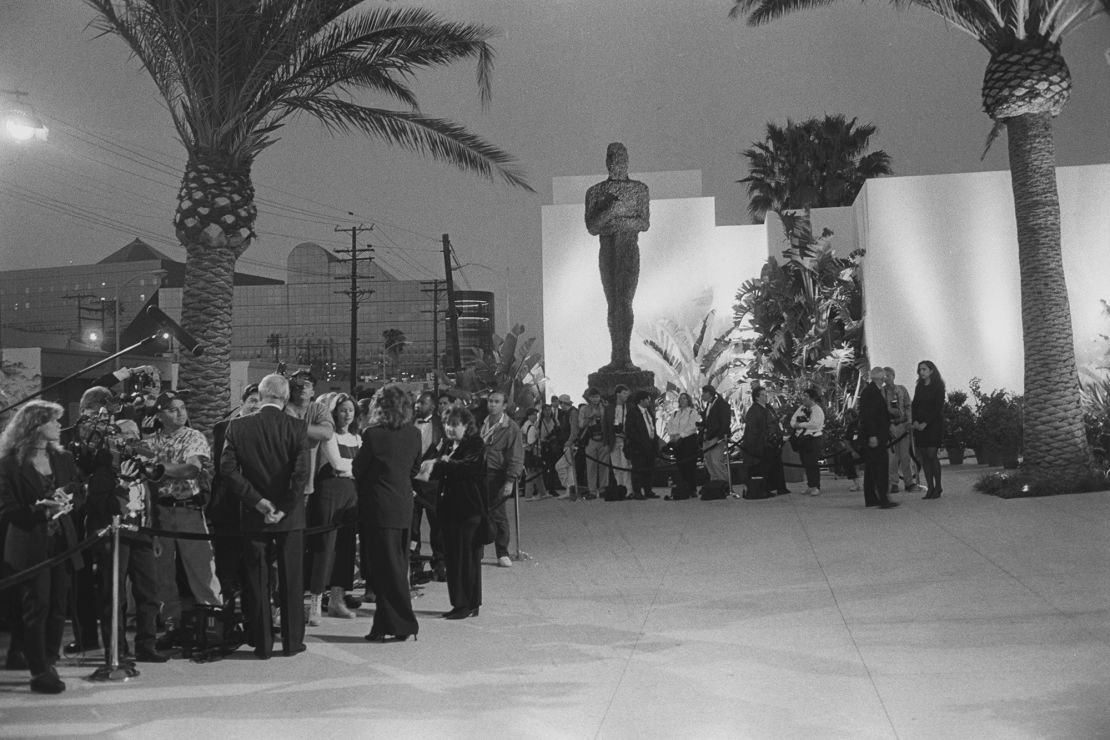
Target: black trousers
{"points": [[389, 551], [44, 616], [643, 469], [136, 561], [769, 467], [876, 474], [686, 462], [495, 479], [463, 561], [288, 551], [335, 501], [424, 505], [809, 450]]}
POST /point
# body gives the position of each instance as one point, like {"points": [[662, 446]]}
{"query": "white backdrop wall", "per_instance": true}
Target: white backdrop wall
{"points": [[941, 274]]}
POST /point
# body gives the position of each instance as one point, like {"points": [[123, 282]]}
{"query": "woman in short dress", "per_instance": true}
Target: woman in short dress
{"points": [[928, 424]]}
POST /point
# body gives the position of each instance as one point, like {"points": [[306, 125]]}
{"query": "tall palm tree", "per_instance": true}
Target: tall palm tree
{"points": [[1026, 84], [233, 72], [394, 342], [818, 163]]}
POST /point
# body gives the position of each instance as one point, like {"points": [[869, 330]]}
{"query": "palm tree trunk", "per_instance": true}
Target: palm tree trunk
{"points": [[215, 222], [206, 313], [1055, 439]]}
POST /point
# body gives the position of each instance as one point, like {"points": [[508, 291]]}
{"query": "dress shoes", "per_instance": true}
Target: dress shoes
{"points": [[150, 655], [48, 682], [888, 505], [263, 654], [75, 648], [461, 613], [651, 494], [296, 650], [381, 638], [932, 494]]}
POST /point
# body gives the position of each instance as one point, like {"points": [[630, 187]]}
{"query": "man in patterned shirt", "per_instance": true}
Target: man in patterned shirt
{"points": [[179, 507]]}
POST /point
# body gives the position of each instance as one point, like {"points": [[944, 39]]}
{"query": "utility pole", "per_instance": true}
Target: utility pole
{"points": [[82, 310], [355, 293], [433, 287], [452, 309]]}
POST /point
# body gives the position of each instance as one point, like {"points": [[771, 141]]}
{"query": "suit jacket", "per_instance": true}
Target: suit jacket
{"points": [[28, 542], [383, 469], [462, 478], [638, 444], [610, 422], [266, 456], [717, 419], [874, 418]]}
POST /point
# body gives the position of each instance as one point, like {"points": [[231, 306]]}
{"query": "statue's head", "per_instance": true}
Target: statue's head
{"points": [[616, 161]]}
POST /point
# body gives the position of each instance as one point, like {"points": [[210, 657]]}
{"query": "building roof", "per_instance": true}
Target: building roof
{"points": [[136, 251]]}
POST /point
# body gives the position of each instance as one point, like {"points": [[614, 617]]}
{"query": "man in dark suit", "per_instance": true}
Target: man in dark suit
{"points": [[716, 429], [874, 427], [265, 463], [640, 443]]}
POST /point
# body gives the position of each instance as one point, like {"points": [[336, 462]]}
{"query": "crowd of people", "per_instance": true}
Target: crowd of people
{"points": [[361, 476]]}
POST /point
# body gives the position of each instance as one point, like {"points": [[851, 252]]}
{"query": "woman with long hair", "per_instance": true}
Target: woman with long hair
{"points": [[38, 490], [928, 423], [808, 423], [384, 468], [682, 436], [334, 502], [460, 468]]}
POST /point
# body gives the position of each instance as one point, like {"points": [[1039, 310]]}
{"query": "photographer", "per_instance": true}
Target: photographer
{"points": [[100, 445], [184, 459]]}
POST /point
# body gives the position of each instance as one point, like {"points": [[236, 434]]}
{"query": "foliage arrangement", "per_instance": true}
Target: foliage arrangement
{"points": [[1025, 484], [959, 422], [511, 368], [998, 417], [1094, 385], [232, 73]]}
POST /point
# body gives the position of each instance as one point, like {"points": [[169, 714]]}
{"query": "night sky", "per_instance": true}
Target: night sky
{"points": [[678, 82]]}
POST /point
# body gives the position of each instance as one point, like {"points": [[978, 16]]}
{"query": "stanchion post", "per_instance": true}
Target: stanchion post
{"points": [[112, 670], [516, 513]]}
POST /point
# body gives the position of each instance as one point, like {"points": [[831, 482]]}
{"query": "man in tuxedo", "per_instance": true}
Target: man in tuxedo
{"points": [[265, 463], [640, 443], [716, 428], [874, 429]]}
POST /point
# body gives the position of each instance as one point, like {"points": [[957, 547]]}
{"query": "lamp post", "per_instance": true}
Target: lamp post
{"points": [[158, 274]]}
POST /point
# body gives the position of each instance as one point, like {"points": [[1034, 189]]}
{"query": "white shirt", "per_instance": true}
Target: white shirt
{"points": [[814, 426], [683, 424]]}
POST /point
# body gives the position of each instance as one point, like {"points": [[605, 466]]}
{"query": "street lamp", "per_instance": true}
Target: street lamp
{"points": [[157, 274], [18, 121]]}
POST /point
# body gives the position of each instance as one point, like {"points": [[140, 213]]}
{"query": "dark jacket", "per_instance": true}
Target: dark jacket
{"points": [[28, 542], [462, 478], [928, 407], [717, 419], [265, 455], [762, 430], [874, 418], [639, 446], [383, 470]]}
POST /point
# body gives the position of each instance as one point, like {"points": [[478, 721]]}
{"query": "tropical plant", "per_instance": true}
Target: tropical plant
{"points": [[233, 72], [998, 417], [511, 368], [806, 318], [394, 342], [959, 422], [1026, 84], [817, 163]]}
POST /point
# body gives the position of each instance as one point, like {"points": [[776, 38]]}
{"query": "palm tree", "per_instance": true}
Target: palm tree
{"points": [[394, 342], [1026, 84], [818, 163], [233, 72]]}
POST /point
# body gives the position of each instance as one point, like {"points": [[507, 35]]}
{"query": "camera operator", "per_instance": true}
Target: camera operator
{"points": [[140, 386], [101, 444], [184, 459]]}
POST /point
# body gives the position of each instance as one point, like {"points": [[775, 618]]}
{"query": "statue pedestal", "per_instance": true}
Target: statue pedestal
{"points": [[607, 380]]}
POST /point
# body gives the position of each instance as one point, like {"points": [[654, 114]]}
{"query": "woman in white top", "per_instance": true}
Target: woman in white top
{"points": [[682, 435], [334, 502], [808, 424]]}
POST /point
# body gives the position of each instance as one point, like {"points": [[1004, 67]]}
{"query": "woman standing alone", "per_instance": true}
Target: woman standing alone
{"points": [[928, 423]]}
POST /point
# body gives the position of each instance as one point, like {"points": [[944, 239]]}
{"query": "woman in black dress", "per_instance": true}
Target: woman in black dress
{"points": [[928, 423], [460, 468], [383, 468], [38, 486]]}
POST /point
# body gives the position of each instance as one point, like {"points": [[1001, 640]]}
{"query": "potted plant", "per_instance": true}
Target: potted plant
{"points": [[999, 423], [959, 425]]}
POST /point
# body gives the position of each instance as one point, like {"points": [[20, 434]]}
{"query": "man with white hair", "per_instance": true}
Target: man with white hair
{"points": [[265, 464]]}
